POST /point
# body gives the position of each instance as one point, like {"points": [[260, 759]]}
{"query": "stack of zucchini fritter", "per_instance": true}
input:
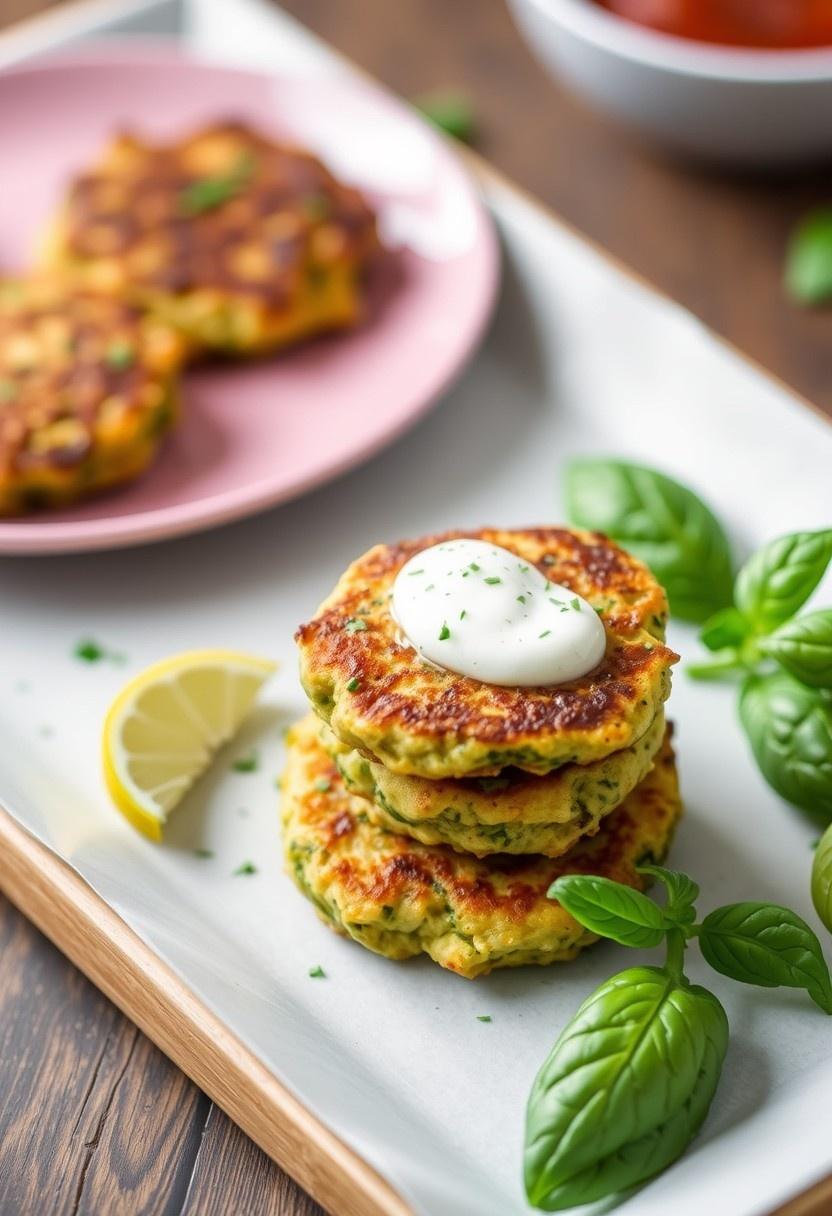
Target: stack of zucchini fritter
{"points": [[426, 811], [220, 243]]}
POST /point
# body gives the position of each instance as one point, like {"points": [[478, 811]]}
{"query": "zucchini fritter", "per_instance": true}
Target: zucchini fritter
{"points": [[87, 392], [399, 898], [379, 697], [513, 813], [241, 243]]}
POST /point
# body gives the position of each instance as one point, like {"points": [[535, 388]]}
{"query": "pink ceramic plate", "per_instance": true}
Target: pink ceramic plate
{"points": [[256, 434]]}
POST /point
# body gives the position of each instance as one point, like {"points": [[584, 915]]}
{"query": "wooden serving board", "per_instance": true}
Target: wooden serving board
{"points": [[87, 930]]}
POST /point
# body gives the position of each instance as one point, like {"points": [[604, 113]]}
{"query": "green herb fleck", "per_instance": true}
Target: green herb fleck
{"points": [[354, 684], [473, 566], [521, 599], [523, 569], [207, 193], [451, 112], [444, 632], [355, 625], [600, 611], [808, 273], [246, 764], [545, 633], [89, 652], [248, 867], [317, 972], [463, 614], [323, 785], [576, 603], [120, 355], [203, 853], [483, 1017], [8, 391], [430, 587], [413, 573], [316, 206], [493, 580]]}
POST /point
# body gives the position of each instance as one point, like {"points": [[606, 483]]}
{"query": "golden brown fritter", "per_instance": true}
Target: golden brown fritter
{"points": [[244, 244], [399, 898], [87, 392], [513, 813], [414, 718]]}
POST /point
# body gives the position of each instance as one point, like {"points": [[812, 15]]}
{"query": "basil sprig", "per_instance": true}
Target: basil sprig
{"points": [[662, 522], [786, 661], [630, 1080], [822, 879]]}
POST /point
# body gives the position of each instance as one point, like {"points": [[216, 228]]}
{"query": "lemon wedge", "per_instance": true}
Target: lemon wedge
{"points": [[164, 727]]}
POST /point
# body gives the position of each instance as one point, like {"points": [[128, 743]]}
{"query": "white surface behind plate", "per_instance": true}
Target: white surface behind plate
{"points": [[580, 359]]}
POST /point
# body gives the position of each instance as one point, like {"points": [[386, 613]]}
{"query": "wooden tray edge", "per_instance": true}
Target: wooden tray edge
{"points": [[87, 930]]}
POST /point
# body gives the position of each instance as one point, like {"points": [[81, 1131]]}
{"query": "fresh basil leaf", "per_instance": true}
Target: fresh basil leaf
{"points": [[624, 1089], [808, 274], [682, 892], [822, 879], [724, 629], [643, 1158], [611, 909], [789, 727], [766, 945], [662, 522], [804, 647], [780, 577]]}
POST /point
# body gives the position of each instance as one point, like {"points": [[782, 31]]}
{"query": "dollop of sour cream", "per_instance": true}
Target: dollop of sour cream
{"points": [[481, 611]]}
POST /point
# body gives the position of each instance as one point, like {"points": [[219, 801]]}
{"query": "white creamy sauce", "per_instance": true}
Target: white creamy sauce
{"points": [[484, 612]]}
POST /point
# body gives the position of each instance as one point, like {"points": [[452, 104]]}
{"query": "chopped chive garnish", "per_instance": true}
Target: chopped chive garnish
{"points": [[206, 193], [521, 599], [576, 603], [493, 580], [465, 573], [483, 1017], [473, 566], [323, 785], [355, 625], [248, 867], [203, 853], [430, 587], [545, 633], [354, 684], [246, 764], [523, 569], [317, 973], [463, 614], [413, 573], [444, 632], [120, 355], [89, 651], [600, 611]]}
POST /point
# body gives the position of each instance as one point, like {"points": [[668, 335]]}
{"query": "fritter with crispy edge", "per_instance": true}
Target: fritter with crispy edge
{"points": [[88, 389], [243, 244], [400, 898], [515, 812], [369, 684]]}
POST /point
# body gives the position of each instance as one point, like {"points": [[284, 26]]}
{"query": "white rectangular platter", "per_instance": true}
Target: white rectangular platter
{"points": [[580, 358]]}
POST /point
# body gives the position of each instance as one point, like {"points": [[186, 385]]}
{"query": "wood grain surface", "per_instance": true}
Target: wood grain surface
{"points": [[94, 1119]]}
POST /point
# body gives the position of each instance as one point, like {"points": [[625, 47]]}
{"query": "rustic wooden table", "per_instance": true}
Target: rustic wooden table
{"points": [[93, 1118]]}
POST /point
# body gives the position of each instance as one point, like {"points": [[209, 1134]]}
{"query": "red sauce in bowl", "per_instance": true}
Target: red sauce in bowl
{"points": [[757, 24]]}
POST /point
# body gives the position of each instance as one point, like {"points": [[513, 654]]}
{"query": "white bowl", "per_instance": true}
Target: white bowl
{"points": [[749, 108]]}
